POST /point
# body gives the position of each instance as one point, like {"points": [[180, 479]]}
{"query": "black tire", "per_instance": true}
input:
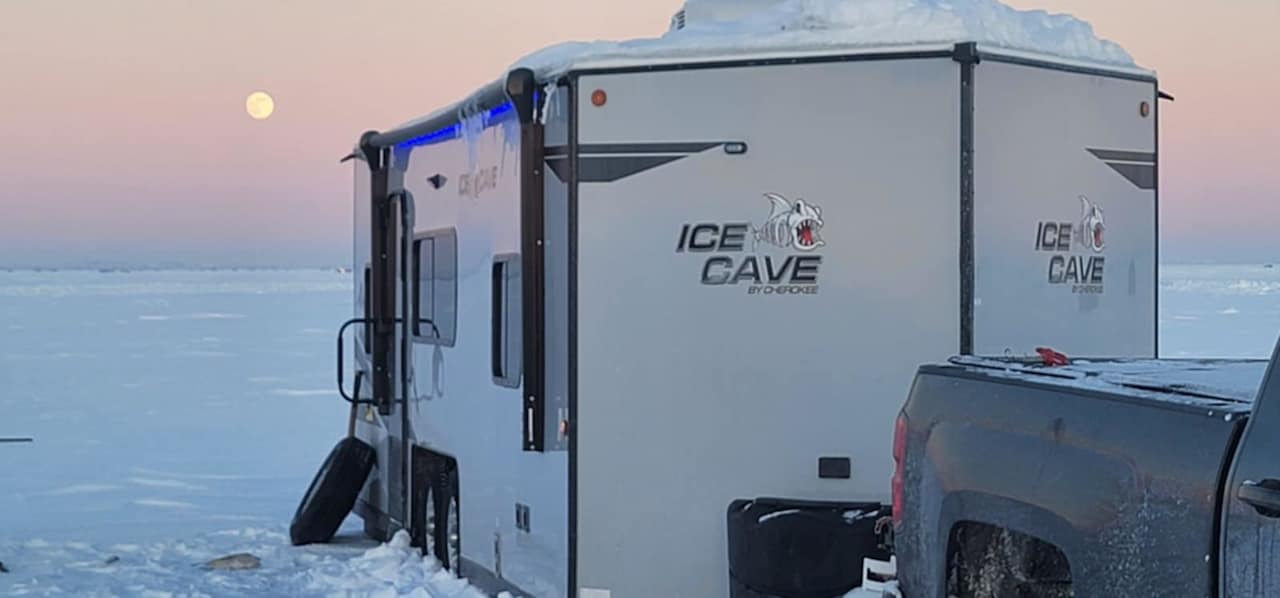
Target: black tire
{"points": [[424, 520], [332, 493], [445, 533]]}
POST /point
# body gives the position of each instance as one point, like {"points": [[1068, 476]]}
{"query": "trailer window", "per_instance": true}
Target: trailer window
{"points": [[505, 319], [435, 288]]}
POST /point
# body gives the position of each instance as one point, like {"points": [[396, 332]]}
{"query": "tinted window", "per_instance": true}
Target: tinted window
{"points": [[505, 318], [423, 289], [435, 289]]}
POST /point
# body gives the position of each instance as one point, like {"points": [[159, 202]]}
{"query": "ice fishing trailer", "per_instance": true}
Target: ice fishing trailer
{"points": [[641, 327]]}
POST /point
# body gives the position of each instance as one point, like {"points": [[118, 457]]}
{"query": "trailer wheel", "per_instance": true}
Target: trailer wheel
{"points": [[454, 529], [425, 534], [443, 528], [332, 492], [430, 537]]}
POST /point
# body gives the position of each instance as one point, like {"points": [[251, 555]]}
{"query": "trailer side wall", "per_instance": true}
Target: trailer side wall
{"points": [[1064, 212], [459, 408]]}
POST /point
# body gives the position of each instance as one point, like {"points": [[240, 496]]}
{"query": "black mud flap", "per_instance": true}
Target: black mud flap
{"points": [[332, 493], [782, 548]]}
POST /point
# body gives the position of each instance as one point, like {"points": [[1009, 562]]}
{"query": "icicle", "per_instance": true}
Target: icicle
{"points": [[548, 101], [471, 124], [511, 132]]}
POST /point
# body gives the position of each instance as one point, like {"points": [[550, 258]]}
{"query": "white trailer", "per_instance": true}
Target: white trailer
{"points": [[604, 310]]}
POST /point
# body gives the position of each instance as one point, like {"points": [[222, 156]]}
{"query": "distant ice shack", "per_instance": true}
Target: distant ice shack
{"points": [[636, 318]]}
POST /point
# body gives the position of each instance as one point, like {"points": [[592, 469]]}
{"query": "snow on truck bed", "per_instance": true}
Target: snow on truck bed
{"points": [[1220, 384]]}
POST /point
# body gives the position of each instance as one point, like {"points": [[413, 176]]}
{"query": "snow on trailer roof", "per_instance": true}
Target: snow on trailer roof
{"points": [[790, 28], [1222, 384], [708, 31]]}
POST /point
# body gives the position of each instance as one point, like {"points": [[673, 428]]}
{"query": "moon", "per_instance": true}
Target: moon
{"points": [[259, 105]]}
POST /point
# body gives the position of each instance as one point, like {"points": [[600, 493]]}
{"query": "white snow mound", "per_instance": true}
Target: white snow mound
{"points": [[391, 570], [760, 28], [348, 568], [827, 25]]}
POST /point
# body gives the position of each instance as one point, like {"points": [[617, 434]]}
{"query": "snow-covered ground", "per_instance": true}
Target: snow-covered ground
{"points": [[179, 416], [1219, 311], [171, 568]]}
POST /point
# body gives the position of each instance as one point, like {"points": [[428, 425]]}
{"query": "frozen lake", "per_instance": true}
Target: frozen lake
{"points": [[180, 415], [164, 403], [1219, 311]]}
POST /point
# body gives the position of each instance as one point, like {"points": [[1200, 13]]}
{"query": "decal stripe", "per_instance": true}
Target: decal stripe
{"points": [[1138, 168], [1141, 175], [648, 148], [607, 170], [1124, 156], [608, 162], [559, 166]]}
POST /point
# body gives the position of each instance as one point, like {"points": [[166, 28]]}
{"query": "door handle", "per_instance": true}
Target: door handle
{"points": [[1263, 496]]}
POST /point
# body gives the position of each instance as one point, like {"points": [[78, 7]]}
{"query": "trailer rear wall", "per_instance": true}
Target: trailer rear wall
{"points": [[694, 390]]}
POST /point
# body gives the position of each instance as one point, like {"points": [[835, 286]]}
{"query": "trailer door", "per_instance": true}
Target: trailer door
{"points": [[1250, 558], [380, 251]]}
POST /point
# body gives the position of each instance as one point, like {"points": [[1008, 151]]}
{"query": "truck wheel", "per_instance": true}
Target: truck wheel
{"points": [[444, 529], [332, 492], [989, 562], [977, 569]]}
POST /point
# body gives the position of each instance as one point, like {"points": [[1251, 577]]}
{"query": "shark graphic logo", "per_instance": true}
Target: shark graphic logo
{"points": [[1092, 227], [797, 225]]}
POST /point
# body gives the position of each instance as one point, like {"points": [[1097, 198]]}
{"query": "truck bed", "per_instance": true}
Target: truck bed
{"points": [[1117, 464], [1220, 386]]}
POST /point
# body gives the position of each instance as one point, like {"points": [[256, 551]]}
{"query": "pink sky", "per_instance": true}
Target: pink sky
{"points": [[123, 135]]}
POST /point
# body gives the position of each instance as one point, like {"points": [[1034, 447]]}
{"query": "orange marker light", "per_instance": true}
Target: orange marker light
{"points": [[1144, 109], [599, 97]]}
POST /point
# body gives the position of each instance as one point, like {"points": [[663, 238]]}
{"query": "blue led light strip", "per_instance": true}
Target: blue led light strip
{"points": [[452, 132]]}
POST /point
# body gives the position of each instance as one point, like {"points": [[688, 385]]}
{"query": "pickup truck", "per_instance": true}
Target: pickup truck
{"points": [[1094, 478]]}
